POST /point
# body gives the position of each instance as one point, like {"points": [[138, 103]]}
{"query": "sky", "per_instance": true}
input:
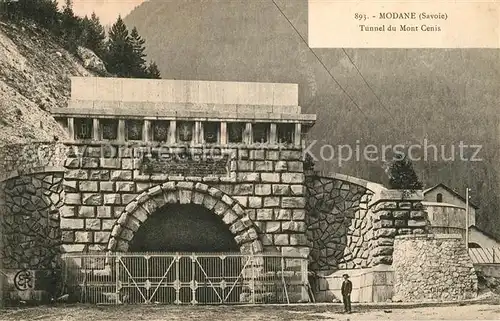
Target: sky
{"points": [[106, 10]]}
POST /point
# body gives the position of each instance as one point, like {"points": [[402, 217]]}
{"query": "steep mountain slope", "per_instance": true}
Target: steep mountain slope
{"points": [[34, 77], [443, 96]]}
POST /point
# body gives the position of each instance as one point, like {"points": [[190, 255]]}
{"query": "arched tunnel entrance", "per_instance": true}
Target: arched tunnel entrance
{"points": [[183, 228], [205, 270]]}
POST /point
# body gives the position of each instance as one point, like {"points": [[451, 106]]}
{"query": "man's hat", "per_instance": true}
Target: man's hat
{"points": [[345, 275]]}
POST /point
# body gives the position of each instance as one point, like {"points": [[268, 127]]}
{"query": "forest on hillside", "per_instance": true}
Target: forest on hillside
{"points": [[441, 97]]}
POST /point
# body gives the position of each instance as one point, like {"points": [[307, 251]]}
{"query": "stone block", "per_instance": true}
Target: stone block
{"points": [[296, 166], [272, 155], [72, 162], [127, 198], [88, 162], [262, 189], [264, 214], [128, 163], [248, 177], [298, 190], [252, 214], [273, 227], [243, 189], [415, 223], [91, 199], [125, 187], [99, 175], [78, 174], [141, 187], [283, 214], [293, 202], [88, 186], [101, 237], [280, 166], [400, 214], [292, 178], [243, 200], [298, 239], [72, 248], [270, 177], [291, 155], [299, 215], [386, 232], [404, 205], [72, 223], [86, 211], [281, 239], [68, 186], [68, 211], [121, 175], [68, 236], [112, 199], [92, 224], [106, 186], [73, 199], [229, 217], [245, 165], [264, 166], [294, 226], [118, 210], [258, 154], [418, 214], [104, 212], [281, 189], [254, 202], [110, 162], [271, 201], [107, 224]]}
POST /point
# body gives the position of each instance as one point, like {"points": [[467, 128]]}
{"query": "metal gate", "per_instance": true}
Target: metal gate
{"points": [[184, 278]]}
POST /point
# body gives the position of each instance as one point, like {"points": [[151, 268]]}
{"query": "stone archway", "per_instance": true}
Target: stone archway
{"points": [[211, 198]]}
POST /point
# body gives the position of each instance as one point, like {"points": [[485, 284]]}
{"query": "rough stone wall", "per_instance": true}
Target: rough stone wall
{"points": [[267, 183], [432, 267], [351, 226], [35, 157], [29, 220], [338, 227]]}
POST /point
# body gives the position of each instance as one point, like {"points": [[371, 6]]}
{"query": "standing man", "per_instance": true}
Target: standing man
{"points": [[346, 293]]}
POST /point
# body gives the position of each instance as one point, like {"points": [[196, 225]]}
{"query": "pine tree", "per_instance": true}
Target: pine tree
{"points": [[140, 68], [152, 71], [93, 35], [403, 176], [120, 58]]}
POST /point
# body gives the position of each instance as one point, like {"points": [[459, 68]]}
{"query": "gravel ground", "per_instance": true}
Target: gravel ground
{"points": [[474, 311]]}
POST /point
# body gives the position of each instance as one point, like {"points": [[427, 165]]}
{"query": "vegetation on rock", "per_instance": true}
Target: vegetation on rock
{"points": [[123, 53]]}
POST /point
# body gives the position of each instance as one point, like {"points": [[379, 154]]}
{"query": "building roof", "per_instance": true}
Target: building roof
{"points": [[484, 233], [450, 190]]}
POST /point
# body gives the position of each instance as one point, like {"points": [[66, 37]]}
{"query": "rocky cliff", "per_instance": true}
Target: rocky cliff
{"points": [[34, 78]]}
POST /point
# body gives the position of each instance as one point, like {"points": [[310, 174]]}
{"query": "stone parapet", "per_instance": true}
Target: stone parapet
{"points": [[432, 267]]}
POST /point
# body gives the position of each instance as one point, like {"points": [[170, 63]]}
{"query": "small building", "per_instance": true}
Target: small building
{"points": [[446, 212]]}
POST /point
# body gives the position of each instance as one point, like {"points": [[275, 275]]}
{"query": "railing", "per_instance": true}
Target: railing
{"points": [[485, 255], [184, 278]]}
